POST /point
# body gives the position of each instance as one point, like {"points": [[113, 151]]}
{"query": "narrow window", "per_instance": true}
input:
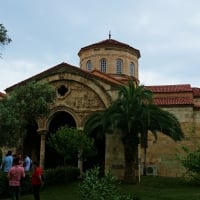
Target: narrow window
{"points": [[119, 66], [89, 65], [103, 65], [131, 69]]}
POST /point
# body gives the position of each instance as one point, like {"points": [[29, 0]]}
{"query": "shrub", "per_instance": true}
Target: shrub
{"points": [[61, 175], [95, 187], [191, 161]]}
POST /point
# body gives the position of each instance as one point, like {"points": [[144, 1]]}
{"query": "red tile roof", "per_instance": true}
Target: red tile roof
{"points": [[110, 42], [176, 99], [170, 88], [173, 101], [196, 92], [2, 94], [105, 76]]}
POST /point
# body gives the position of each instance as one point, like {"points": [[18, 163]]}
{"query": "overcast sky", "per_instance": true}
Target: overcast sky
{"points": [[48, 32]]}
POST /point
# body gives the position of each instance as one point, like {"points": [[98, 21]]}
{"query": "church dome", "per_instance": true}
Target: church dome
{"points": [[111, 57]]}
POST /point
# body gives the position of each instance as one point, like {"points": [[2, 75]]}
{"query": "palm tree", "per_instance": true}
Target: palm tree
{"points": [[134, 114]]}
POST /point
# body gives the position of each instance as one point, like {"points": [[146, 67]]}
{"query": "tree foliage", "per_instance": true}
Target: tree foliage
{"points": [[134, 113], [4, 38], [191, 162], [71, 141], [21, 107]]}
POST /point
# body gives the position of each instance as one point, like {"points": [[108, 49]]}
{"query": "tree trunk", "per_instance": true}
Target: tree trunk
{"points": [[131, 164]]}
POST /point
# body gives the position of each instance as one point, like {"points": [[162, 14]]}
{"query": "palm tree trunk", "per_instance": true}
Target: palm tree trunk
{"points": [[145, 167], [144, 144], [130, 154]]}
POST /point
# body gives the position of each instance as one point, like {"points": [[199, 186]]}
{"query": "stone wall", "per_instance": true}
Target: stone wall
{"points": [[162, 154], [110, 54]]}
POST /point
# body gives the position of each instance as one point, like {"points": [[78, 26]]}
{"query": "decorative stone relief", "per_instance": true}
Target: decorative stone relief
{"points": [[77, 96]]}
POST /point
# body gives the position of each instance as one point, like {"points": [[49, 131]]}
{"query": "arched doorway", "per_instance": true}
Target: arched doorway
{"points": [[98, 159], [31, 143], [52, 158]]}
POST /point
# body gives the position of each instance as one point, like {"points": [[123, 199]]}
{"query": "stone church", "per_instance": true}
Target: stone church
{"points": [[82, 90]]}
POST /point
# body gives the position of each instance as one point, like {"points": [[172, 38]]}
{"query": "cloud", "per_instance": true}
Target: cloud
{"points": [[16, 70], [46, 33]]}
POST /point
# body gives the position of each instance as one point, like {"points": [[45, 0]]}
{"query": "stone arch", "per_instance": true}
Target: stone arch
{"points": [[83, 96], [102, 90], [57, 109], [78, 94], [59, 117]]}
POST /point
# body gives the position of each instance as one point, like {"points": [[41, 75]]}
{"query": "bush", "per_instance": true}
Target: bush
{"points": [[95, 187], [191, 161], [61, 175]]}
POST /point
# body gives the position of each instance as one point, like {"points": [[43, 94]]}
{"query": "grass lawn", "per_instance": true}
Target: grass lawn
{"points": [[150, 188], [157, 188]]}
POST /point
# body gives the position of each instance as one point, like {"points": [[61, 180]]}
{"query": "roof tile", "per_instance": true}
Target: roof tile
{"points": [[173, 101], [2, 94], [196, 92], [170, 88], [110, 42]]}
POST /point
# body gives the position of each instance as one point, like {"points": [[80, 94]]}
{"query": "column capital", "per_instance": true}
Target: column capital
{"points": [[42, 131]]}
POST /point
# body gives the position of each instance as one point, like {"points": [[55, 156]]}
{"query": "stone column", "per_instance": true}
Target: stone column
{"points": [[80, 162], [42, 133], [80, 157], [114, 155]]}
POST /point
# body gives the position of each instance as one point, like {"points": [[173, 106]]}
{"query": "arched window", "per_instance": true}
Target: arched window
{"points": [[131, 69], [89, 65], [103, 65], [119, 65]]}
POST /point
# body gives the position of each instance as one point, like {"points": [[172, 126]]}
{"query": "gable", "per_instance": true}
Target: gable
{"points": [[59, 70]]}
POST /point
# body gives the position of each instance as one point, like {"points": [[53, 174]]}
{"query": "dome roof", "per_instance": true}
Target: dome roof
{"points": [[110, 43]]}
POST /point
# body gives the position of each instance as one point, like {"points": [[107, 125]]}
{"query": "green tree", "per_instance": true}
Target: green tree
{"points": [[21, 107], [71, 142], [135, 115], [4, 38]]}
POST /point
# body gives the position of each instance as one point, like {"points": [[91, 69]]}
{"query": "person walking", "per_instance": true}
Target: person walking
{"points": [[36, 180], [15, 174], [27, 163], [7, 162]]}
